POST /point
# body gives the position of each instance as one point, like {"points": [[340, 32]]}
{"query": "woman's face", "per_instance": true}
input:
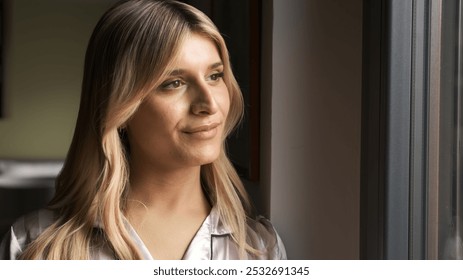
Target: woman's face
{"points": [[181, 123]]}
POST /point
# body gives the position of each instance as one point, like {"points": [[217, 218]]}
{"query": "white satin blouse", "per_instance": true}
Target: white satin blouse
{"points": [[212, 241]]}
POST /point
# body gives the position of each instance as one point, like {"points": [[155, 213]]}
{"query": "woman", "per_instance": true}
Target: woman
{"points": [[147, 176]]}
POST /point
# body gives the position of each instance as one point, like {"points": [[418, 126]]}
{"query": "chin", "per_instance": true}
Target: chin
{"points": [[206, 157]]}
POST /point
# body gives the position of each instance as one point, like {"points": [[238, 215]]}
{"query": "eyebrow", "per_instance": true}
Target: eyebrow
{"points": [[216, 65], [177, 72]]}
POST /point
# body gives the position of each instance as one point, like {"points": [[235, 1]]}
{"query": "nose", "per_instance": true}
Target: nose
{"points": [[203, 101]]}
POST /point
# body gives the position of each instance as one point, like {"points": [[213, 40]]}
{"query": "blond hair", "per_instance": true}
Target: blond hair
{"points": [[128, 54]]}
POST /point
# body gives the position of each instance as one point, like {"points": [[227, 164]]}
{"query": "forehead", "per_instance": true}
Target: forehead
{"points": [[196, 51]]}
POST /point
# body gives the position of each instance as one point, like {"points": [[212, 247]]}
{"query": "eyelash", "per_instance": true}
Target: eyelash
{"points": [[171, 84], [174, 84], [217, 76]]}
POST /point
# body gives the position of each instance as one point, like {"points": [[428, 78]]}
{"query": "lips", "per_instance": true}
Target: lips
{"points": [[202, 132], [201, 128]]}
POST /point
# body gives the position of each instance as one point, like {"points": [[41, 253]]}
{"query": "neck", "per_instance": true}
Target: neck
{"points": [[166, 190], [166, 208]]}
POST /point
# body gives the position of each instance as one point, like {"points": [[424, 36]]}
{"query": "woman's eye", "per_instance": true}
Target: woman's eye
{"points": [[216, 76], [172, 84]]}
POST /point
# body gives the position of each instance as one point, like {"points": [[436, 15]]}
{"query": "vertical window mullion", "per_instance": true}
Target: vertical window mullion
{"points": [[398, 130], [419, 113], [434, 109]]}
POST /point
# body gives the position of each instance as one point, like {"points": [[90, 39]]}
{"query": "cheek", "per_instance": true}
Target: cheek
{"points": [[150, 121], [224, 102], [165, 114]]}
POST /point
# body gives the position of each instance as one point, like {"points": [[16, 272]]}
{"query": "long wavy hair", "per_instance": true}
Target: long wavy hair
{"points": [[127, 56]]}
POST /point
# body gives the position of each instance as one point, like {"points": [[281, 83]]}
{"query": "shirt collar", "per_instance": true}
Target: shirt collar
{"points": [[216, 225]]}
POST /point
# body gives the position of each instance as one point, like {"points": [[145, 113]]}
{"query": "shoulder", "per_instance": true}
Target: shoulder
{"points": [[263, 236], [30, 226], [25, 230]]}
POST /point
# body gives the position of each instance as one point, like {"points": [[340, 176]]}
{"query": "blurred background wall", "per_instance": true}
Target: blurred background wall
{"points": [[45, 44], [311, 124]]}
